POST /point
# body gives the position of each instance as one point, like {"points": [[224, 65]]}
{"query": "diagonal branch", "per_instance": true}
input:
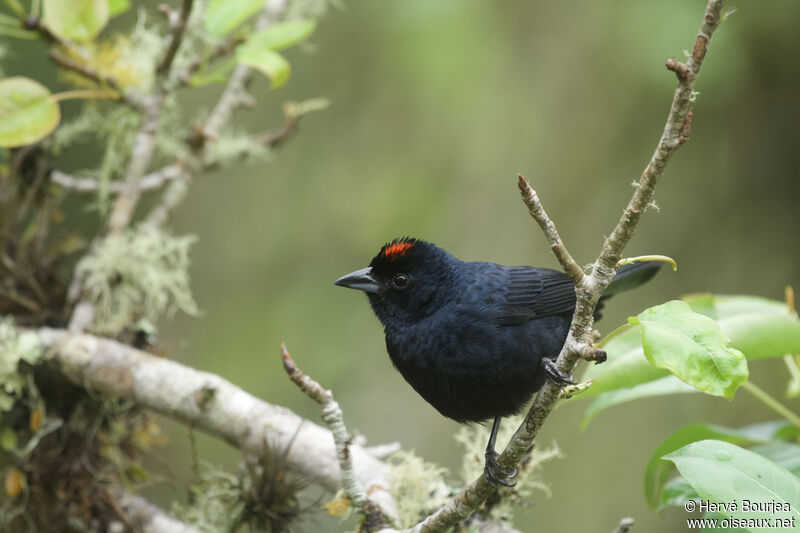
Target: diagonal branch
{"points": [[537, 211], [334, 418], [592, 286], [176, 35]]}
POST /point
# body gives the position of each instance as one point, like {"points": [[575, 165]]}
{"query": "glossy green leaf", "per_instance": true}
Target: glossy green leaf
{"points": [[724, 306], [692, 347], [723, 472], [28, 112], [272, 64], [660, 387], [760, 336], [223, 16], [658, 470], [79, 20], [282, 35], [118, 7], [785, 454]]}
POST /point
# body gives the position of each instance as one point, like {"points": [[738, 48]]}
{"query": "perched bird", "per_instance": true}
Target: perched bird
{"points": [[474, 339]]}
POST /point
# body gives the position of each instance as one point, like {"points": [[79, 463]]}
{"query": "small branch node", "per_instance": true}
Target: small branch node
{"points": [[680, 69]]}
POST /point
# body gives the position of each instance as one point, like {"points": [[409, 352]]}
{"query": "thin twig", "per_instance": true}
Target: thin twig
{"points": [[67, 63], [153, 180], [535, 208], [591, 287], [144, 146], [333, 417], [176, 35]]}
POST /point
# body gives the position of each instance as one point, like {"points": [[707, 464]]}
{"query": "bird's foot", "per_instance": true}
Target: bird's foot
{"points": [[555, 374], [496, 474]]}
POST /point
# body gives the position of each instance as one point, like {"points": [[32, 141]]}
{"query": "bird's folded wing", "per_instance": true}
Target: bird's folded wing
{"points": [[535, 292]]}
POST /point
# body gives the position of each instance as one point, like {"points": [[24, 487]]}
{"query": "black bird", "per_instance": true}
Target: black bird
{"points": [[474, 339]]}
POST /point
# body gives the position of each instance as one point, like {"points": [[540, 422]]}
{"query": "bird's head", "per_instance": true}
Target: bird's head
{"points": [[406, 281]]}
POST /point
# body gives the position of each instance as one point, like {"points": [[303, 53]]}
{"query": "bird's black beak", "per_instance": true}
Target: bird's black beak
{"points": [[360, 279]]}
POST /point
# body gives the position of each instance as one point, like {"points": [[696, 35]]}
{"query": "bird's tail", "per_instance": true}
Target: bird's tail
{"points": [[632, 275]]}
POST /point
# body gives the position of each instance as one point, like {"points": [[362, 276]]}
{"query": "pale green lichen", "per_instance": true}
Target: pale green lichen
{"points": [[233, 147], [14, 347], [134, 278], [473, 439], [418, 486]]}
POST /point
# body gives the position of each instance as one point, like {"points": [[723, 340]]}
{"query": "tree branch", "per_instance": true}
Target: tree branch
{"points": [[591, 287], [153, 180], [214, 405], [176, 35], [147, 517], [235, 93], [537, 211]]}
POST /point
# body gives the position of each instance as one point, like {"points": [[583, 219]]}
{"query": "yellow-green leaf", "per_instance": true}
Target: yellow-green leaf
{"points": [[223, 16], [272, 64], [282, 35], [28, 112], [79, 20]]}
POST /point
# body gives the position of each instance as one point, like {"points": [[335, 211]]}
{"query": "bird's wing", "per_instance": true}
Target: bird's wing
{"points": [[535, 292]]}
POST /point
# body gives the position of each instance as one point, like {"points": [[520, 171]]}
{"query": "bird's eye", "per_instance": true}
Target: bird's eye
{"points": [[400, 281]]}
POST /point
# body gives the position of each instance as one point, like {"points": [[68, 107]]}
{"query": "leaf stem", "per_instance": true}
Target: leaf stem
{"points": [[623, 328], [771, 402]]}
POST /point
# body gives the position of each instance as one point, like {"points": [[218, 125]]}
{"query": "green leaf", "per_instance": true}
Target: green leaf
{"points": [[118, 7], [724, 306], [785, 454], [28, 112], [722, 472], [760, 336], [282, 35], [79, 20], [622, 369], [675, 493], [223, 16], [8, 439], [692, 347], [658, 471], [659, 387], [272, 64]]}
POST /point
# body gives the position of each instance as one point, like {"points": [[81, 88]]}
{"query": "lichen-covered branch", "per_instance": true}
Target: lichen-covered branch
{"points": [[591, 286], [153, 180], [212, 404], [334, 418]]}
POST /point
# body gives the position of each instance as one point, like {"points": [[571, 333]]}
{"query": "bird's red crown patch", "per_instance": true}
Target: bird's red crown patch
{"points": [[396, 249]]}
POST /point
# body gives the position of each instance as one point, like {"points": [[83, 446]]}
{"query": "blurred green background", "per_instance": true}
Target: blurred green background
{"points": [[436, 105]]}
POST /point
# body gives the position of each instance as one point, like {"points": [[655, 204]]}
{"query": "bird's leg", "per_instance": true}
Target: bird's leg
{"points": [[492, 470], [556, 375]]}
